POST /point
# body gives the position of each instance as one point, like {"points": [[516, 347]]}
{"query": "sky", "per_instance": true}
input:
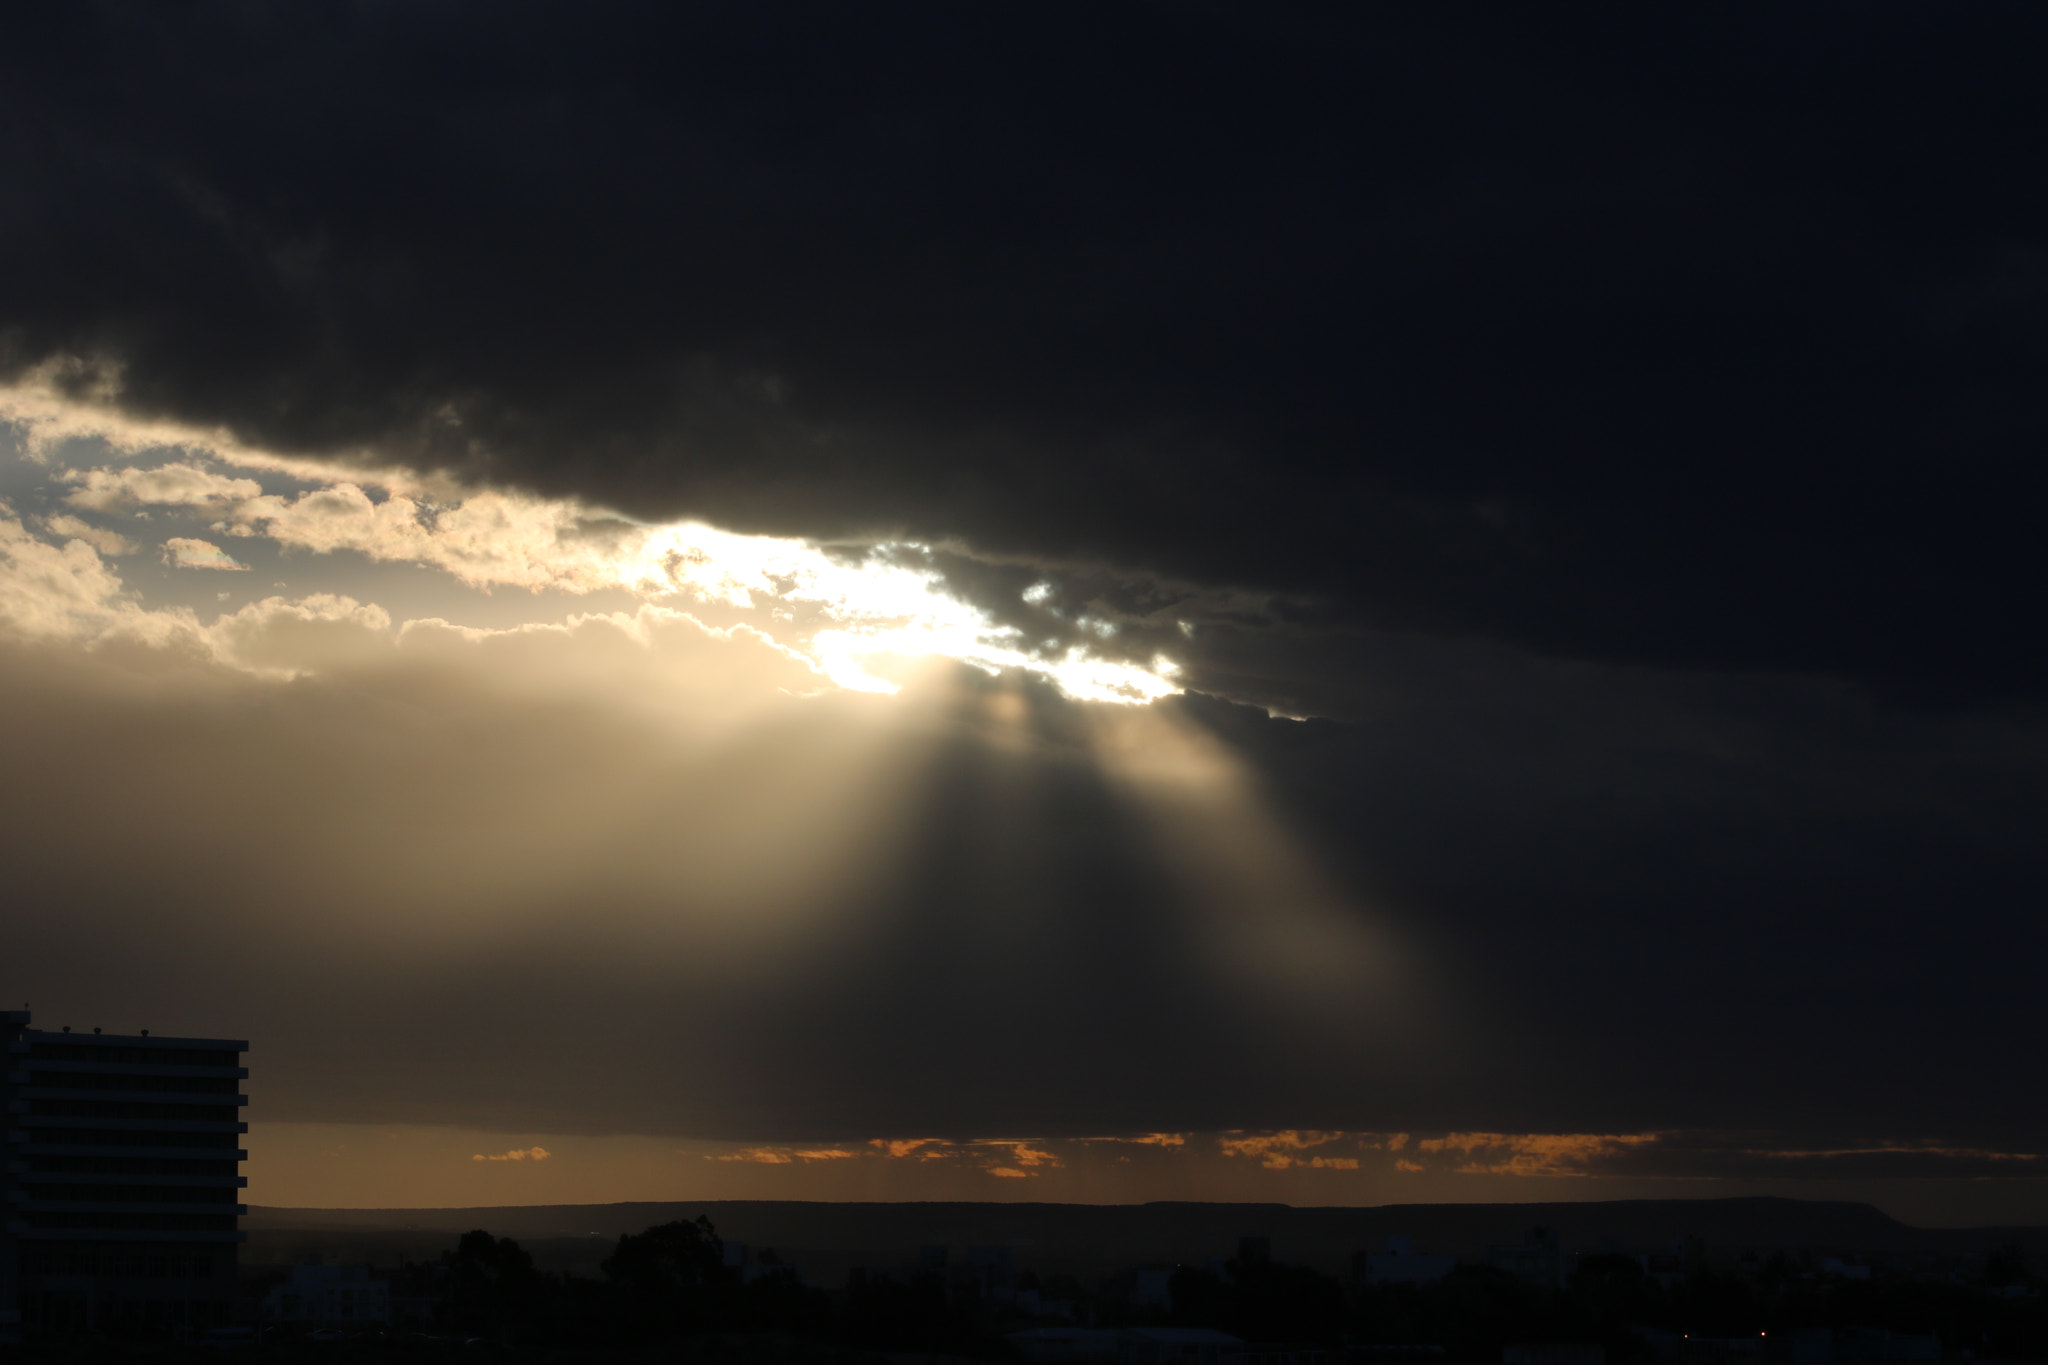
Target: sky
{"points": [[1345, 605]]}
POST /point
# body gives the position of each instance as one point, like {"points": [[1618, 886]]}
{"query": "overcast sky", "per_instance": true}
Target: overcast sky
{"points": [[1339, 604]]}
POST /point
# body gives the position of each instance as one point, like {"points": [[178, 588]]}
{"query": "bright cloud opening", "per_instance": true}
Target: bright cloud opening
{"points": [[858, 615]]}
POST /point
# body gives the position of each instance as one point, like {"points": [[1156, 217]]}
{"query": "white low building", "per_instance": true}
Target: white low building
{"points": [[1399, 1264], [329, 1294]]}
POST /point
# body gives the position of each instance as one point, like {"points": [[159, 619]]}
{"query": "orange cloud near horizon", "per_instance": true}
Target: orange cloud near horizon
{"points": [[783, 1156], [1549, 1154]]}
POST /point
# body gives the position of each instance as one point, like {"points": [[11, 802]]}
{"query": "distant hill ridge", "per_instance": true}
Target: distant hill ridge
{"points": [[1098, 1237]]}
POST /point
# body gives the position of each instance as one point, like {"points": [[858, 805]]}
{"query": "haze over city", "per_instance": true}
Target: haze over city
{"points": [[1317, 605]]}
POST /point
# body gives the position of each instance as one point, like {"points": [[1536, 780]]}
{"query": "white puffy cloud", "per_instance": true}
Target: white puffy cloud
{"points": [[99, 537], [486, 540], [68, 592], [182, 484], [859, 618], [654, 659], [323, 632], [50, 590], [183, 552]]}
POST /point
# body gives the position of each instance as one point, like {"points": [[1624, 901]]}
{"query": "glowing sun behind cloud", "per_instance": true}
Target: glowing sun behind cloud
{"points": [[858, 613]]}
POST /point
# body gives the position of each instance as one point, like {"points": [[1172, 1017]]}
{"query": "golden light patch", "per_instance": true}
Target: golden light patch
{"points": [[784, 1156], [902, 1147], [1289, 1139], [758, 1156], [1023, 1153], [1276, 1151], [1549, 1154]]}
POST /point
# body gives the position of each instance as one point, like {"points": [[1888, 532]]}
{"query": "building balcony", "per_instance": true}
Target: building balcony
{"points": [[28, 1067], [85, 1095], [24, 1232], [56, 1209], [213, 1182], [26, 1145], [29, 1122]]}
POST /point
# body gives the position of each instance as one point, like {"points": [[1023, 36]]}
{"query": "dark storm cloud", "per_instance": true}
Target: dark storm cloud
{"points": [[1702, 339]]}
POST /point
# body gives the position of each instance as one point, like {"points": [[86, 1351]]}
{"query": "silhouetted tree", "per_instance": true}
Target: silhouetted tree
{"points": [[669, 1279], [492, 1288], [1261, 1300], [2007, 1265]]}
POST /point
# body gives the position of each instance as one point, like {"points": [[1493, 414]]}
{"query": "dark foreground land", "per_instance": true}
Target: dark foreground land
{"points": [[829, 1240], [1724, 1282]]}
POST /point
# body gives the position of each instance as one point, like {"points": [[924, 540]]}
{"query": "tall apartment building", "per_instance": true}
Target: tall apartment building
{"points": [[122, 1185]]}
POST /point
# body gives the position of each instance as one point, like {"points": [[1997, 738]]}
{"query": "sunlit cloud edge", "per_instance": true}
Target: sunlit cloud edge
{"points": [[876, 608]]}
